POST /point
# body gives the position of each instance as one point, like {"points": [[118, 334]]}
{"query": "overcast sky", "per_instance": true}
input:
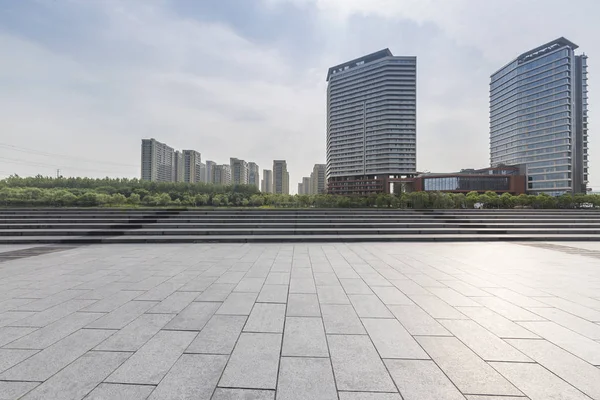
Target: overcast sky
{"points": [[88, 79]]}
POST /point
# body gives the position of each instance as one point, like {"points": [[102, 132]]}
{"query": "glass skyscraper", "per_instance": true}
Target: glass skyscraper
{"points": [[538, 117], [371, 122]]}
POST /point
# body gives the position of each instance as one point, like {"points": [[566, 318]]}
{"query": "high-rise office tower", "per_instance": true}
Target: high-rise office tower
{"points": [[192, 172], [538, 117], [371, 122], [239, 171], [158, 161], [178, 167], [267, 181], [281, 177], [222, 174], [210, 165], [317, 179], [254, 175]]}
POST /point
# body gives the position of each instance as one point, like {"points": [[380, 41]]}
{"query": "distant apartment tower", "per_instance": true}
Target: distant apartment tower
{"points": [[178, 167], [281, 177], [300, 188], [254, 175], [305, 185], [239, 171], [210, 165], [539, 117], [318, 179], [222, 174], [158, 161], [371, 123], [267, 181], [192, 172]]}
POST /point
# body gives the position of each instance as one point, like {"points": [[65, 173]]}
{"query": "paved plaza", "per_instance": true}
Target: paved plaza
{"points": [[414, 321]]}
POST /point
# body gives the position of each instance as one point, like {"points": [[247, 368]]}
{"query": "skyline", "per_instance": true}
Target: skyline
{"points": [[92, 79]]}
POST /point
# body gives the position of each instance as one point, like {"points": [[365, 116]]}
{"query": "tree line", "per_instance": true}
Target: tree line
{"points": [[87, 192]]}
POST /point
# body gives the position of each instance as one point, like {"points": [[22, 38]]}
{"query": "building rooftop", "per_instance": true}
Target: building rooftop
{"points": [[359, 61], [543, 49]]}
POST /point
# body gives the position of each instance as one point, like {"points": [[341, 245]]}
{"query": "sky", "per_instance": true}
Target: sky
{"points": [[83, 81]]}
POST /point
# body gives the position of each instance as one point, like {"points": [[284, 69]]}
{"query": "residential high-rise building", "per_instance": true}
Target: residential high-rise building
{"points": [[539, 117], [178, 167], [300, 188], [158, 161], [192, 172], [239, 171], [222, 174], [317, 179], [371, 122], [202, 175], [210, 165], [254, 175], [267, 181], [281, 177]]}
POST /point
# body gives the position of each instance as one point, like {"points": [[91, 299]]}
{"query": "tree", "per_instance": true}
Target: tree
{"points": [[472, 198]]}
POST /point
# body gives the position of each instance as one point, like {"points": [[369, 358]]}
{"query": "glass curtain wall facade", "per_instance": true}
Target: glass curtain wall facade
{"points": [[371, 118], [538, 117]]}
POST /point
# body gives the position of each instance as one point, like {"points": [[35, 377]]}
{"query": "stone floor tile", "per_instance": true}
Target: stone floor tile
{"points": [[497, 324], [14, 390], [515, 298], [436, 307], [216, 292], [537, 382], [249, 285], [418, 322], [573, 342], [193, 317], [116, 391], [496, 398], [341, 319], [409, 287], [174, 304], [231, 277], [368, 396], [507, 310], [326, 279], [278, 278], [54, 332], [375, 280], [305, 378], [391, 295], [425, 280], [12, 317], [80, 377], [153, 360], [51, 301], [572, 369], [202, 283], [421, 380], [332, 295], [123, 315], [11, 357], [266, 318], [219, 335], [369, 306], [254, 362], [160, 292], [466, 289], [487, 345], [304, 337], [468, 372], [238, 304], [273, 294], [303, 305], [136, 334], [570, 321], [9, 334], [355, 286], [49, 361], [356, 364], [243, 394], [53, 314], [392, 340], [194, 376], [302, 285], [112, 302], [452, 297]]}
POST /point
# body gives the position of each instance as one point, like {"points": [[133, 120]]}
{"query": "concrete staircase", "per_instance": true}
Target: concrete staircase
{"points": [[72, 226]]}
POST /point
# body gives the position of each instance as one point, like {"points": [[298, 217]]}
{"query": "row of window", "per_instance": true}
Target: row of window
{"points": [[518, 87], [533, 112], [548, 101]]}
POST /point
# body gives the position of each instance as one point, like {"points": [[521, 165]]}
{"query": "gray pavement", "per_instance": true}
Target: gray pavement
{"points": [[412, 321]]}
